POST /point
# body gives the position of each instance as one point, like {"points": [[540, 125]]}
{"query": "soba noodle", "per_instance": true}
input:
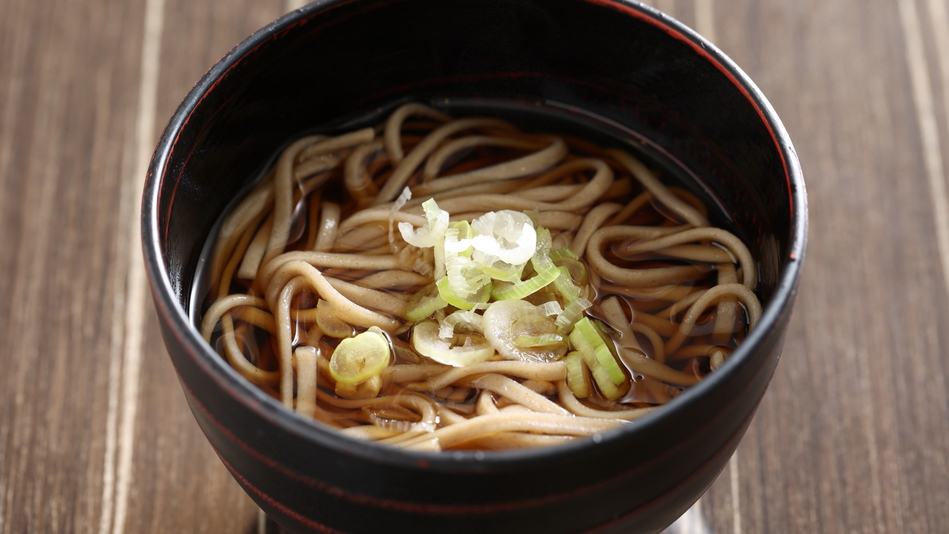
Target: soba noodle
{"points": [[439, 282]]}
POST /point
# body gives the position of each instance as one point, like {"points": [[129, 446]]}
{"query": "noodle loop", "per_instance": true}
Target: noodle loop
{"points": [[434, 283]]}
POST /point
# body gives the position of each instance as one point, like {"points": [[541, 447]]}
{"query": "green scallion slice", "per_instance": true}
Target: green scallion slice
{"points": [[529, 286], [578, 375]]}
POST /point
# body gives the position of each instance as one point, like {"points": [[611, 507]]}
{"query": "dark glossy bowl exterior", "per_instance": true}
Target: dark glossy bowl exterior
{"points": [[618, 60]]}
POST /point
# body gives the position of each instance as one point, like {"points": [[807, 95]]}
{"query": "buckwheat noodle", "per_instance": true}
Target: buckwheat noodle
{"points": [[315, 254]]}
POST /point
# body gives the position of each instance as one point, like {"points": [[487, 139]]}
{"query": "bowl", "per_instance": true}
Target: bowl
{"points": [[618, 64]]}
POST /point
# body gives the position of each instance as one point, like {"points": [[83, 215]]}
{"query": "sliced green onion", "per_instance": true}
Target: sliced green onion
{"points": [[468, 320], [461, 234], [507, 234], [561, 254], [604, 381], [497, 269], [542, 261], [465, 277], [578, 375], [606, 386], [426, 341], [366, 389], [543, 340], [505, 320], [576, 268], [445, 292], [571, 314], [400, 201], [586, 336], [529, 286], [360, 357], [551, 307], [433, 233], [424, 306], [566, 286], [541, 257], [329, 322]]}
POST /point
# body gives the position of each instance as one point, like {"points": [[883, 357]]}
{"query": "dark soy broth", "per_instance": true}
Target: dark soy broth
{"points": [[655, 360]]}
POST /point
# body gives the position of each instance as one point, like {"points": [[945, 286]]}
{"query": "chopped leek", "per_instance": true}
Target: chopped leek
{"points": [[541, 257], [575, 268], [465, 279], [329, 322], [423, 306], [458, 238], [446, 292], [587, 338], [562, 253], [543, 340], [566, 286], [499, 270], [542, 262], [608, 389], [466, 320], [571, 314], [506, 320], [578, 375], [360, 357], [551, 307], [433, 233], [604, 379], [479, 266], [425, 340], [403, 197], [507, 235], [366, 389], [529, 286]]}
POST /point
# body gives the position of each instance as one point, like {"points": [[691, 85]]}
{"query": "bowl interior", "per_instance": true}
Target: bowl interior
{"points": [[620, 66]]}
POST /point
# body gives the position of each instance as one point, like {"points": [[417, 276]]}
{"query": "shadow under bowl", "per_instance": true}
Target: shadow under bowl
{"points": [[623, 66]]}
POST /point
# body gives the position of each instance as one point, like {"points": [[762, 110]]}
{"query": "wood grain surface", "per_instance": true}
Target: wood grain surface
{"points": [[95, 435]]}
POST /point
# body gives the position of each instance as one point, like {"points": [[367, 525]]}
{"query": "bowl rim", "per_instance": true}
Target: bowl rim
{"points": [[255, 400]]}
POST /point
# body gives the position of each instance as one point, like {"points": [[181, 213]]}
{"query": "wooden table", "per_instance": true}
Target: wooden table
{"points": [[95, 436]]}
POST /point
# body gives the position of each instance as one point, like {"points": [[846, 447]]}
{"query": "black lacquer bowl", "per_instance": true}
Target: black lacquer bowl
{"points": [[622, 63]]}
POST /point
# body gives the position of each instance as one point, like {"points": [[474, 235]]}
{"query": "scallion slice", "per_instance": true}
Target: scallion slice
{"points": [[424, 306], [426, 341], [446, 292], [601, 345], [358, 358], [543, 340], [529, 286], [578, 375], [572, 313]]}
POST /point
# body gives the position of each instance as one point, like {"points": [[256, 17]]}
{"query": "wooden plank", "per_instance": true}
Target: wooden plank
{"points": [[65, 109], [175, 468], [199, 33], [838, 442]]}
